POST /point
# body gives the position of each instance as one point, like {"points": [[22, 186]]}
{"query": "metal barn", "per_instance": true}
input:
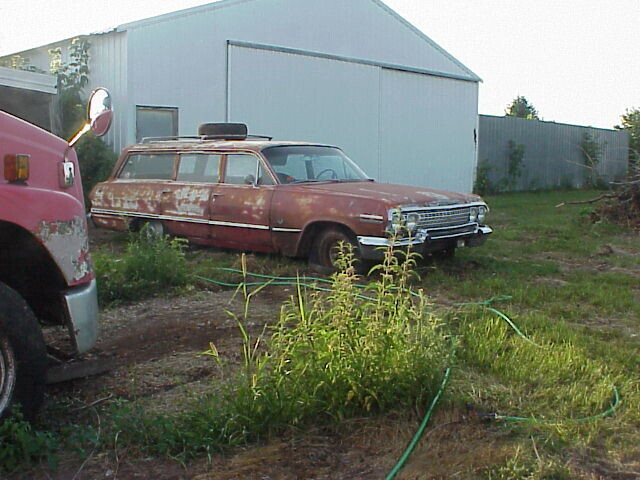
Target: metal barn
{"points": [[353, 74]]}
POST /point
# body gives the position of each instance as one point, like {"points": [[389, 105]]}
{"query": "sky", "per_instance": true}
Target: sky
{"points": [[576, 61]]}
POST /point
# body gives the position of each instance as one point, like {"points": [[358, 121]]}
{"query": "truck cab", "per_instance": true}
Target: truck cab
{"points": [[46, 275]]}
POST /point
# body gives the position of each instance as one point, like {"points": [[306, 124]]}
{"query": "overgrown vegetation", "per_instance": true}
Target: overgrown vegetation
{"points": [[573, 291], [22, 445], [514, 158], [96, 161], [592, 150], [630, 121], [151, 264], [329, 357]]}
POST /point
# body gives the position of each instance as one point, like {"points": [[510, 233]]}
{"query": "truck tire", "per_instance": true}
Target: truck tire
{"points": [[324, 251], [23, 356]]}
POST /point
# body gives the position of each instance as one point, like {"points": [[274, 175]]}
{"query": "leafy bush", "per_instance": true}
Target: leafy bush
{"points": [[96, 161], [22, 445], [482, 184], [150, 265]]}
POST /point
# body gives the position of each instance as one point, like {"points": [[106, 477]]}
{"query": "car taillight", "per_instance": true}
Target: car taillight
{"points": [[16, 167]]}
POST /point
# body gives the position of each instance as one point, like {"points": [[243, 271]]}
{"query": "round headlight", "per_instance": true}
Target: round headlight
{"points": [[482, 214], [396, 222], [412, 222], [473, 214]]}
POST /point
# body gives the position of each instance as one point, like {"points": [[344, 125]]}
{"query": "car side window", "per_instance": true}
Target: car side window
{"points": [[199, 167], [148, 166], [242, 169]]}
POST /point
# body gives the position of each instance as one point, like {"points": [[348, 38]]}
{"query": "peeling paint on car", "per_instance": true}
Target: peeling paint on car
{"points": [[69, 243]]}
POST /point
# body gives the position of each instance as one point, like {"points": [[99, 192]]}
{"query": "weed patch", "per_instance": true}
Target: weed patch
{"points": [[151, 264], [22, 445], [329, 358]]}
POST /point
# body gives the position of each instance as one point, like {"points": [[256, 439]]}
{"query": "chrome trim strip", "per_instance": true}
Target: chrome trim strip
{"points": [[449, 227], [412, 208], [286, 230], [118, 213], [366, 216], [384, 241], [241, 225]]}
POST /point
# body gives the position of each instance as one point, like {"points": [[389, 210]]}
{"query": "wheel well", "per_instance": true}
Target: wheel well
{"points": [[312, 231], [27, 267]]}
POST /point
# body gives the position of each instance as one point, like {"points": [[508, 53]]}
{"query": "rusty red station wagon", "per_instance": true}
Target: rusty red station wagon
{"points": [[225, 188]]}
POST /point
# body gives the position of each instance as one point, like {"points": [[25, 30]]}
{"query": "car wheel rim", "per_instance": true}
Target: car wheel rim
{"points": [[7, 373]]}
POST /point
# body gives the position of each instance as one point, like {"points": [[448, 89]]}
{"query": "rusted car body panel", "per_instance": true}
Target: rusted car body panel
{"points": [[270, 214]]}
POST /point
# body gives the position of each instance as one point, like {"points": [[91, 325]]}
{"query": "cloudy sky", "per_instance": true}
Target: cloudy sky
{"points": [[576, 61]]}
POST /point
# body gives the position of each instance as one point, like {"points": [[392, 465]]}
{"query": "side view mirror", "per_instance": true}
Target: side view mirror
{"points": [[99, 115], [99, 111]]}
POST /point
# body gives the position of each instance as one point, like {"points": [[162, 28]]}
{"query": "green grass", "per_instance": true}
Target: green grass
{"points": [[574, 290]]}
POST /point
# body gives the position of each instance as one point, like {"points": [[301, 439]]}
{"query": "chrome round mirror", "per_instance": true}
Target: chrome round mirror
{"points": [[99, 111]]}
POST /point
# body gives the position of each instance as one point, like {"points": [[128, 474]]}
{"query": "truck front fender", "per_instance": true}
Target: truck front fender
{"points": [[58, 221]]}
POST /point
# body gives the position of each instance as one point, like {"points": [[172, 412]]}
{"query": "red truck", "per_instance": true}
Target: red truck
{"points": [[46, 275]]}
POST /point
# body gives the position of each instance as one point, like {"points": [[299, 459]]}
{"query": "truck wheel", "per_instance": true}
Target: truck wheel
{"points": [[325, 248], [23, 357]]}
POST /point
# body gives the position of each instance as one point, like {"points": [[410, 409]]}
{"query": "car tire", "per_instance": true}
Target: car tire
{"points": [[23, 356], [448, 252], [155, 228], [324, 251]]}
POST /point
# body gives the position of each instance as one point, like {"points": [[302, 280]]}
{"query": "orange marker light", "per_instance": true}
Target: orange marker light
{"points": [[16, 167]]}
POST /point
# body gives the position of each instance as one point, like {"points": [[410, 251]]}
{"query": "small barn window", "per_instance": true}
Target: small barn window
{"points": [[156, 122]]}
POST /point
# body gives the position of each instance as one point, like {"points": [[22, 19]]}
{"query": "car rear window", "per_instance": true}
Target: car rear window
{"points": [[148, 166]]}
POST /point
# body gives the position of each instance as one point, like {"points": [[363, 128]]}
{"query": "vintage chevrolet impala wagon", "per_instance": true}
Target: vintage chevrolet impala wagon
{"points": [[227, 189]]}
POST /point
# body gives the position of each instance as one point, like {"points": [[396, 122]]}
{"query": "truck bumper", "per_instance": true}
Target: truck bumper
{"points": [[372, 248], [82, 308]]}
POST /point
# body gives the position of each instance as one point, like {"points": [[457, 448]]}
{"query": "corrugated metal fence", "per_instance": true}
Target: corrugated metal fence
{"points": [[551, 154]]}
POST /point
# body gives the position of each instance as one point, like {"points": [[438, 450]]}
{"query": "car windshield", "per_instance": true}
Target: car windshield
{"points": [[311, 163]]}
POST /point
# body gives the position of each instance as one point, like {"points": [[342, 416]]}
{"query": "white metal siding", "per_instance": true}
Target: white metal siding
{"points": [[108, 68], [400, 127], [427, 131], [295, 97]]}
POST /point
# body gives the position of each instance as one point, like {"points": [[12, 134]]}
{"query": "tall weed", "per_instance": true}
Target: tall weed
{"points": [[330, 356]]}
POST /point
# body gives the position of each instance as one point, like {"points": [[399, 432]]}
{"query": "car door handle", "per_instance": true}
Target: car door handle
{"points": [[165, 192], [217, 194]]}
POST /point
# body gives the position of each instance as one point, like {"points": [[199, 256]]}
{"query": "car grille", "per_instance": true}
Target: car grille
{"points": [[444, 217]]}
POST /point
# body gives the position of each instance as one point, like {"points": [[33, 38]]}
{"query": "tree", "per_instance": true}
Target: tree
{"points": [[72, 78], [631, 123], [94, 156], [521, 108]]}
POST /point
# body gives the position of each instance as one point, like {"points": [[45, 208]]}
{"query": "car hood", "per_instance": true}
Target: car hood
{"points": [[391, 195]]}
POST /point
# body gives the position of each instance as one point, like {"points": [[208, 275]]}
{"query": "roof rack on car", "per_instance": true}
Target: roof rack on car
{"points": [[214, 131], [204, 137]]}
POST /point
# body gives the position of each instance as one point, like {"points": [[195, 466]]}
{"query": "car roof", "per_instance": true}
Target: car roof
{"points": [[190, 144]]}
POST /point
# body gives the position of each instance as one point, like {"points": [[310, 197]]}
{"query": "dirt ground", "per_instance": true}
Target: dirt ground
{"points": [[156, 346]]}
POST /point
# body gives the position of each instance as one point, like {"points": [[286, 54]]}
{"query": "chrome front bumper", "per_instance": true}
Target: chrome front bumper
{"points": [[82, 309], [372, 248]]}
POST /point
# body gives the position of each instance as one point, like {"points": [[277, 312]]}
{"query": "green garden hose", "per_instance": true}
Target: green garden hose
{"points": [[303, 281], [418, 435]]}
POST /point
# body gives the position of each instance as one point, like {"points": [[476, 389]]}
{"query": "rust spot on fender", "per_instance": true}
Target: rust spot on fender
{"points": [[68, 243]]}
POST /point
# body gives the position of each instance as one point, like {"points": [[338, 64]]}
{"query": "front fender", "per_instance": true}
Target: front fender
{"points": [[58, 221]]}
